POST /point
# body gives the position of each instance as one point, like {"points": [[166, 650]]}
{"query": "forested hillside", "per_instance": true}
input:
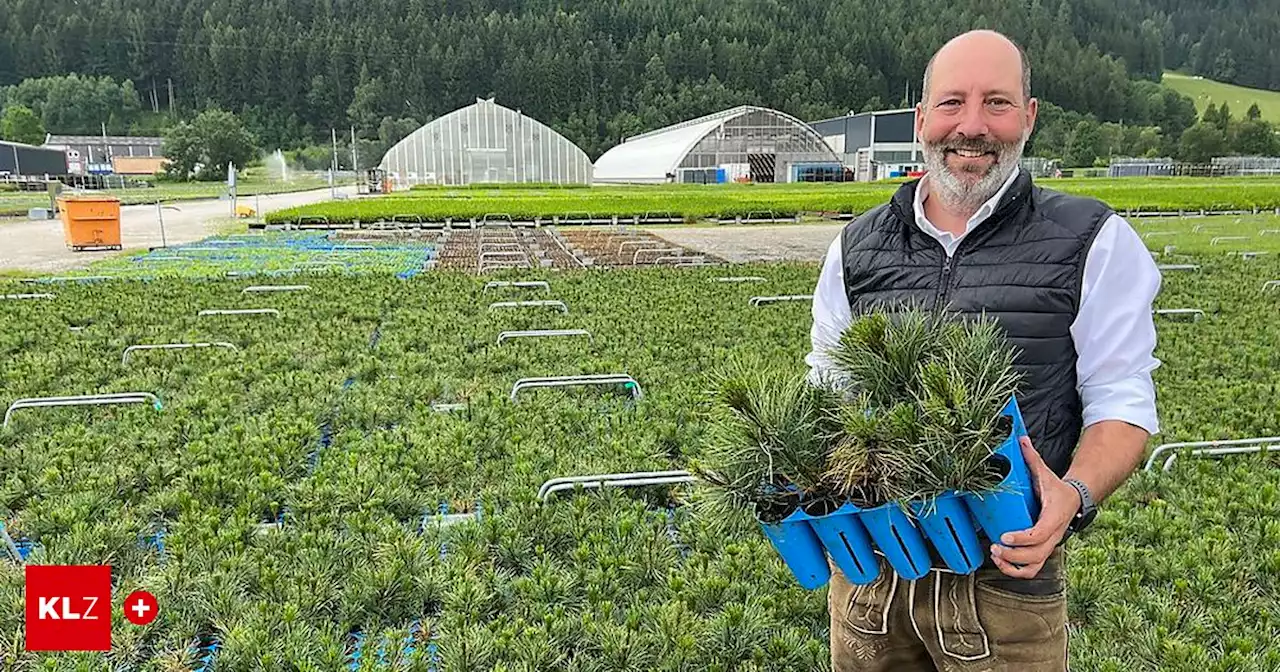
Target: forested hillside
{"points": [[599, 70], [1232, 41]]}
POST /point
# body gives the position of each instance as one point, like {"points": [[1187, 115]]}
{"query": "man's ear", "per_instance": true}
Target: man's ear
{"points": [[920, 119], [1033, 108]]}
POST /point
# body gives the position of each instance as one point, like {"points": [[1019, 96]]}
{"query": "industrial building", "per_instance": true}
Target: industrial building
{"points": [[485, 143], [743, 144], [96, 154], [19, 160], [875, 145]]}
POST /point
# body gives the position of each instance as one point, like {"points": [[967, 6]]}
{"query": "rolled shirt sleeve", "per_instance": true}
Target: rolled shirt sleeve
{"points": [[1114, 330], [831, 315]]}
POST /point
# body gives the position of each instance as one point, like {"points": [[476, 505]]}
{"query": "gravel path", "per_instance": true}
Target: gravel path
{"points": [[38, 246], [791, 242]]}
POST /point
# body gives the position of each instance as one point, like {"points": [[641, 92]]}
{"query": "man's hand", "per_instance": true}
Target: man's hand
{"points": [[1059, 503]]}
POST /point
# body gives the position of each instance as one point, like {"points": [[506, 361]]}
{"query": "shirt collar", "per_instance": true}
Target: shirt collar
{"points": [[983, 213]]}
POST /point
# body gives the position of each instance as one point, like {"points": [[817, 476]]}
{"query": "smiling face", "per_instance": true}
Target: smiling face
{"points": [[975, 118]]}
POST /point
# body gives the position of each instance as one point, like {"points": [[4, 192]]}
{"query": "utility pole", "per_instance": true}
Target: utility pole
{"points": [[355, 165], [333, 170], [231, 187]]}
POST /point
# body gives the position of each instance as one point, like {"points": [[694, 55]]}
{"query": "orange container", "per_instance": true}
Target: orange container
{"points": [[91, 222]]}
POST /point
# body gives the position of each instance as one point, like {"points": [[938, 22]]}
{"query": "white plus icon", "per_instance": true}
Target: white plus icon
{"points": [[141, 608]]}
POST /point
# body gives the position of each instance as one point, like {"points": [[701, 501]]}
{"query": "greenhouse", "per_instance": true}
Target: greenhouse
{"points": [[485, 143], [743, 144]]}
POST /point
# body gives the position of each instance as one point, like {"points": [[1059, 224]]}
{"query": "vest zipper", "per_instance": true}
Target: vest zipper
{"points": [[944, 279], [944, 283]]}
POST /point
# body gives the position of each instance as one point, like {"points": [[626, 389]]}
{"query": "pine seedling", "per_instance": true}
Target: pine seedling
{"points": [[768, 440], [868, 458], [922, 407], [961, 394], [880, 352]]}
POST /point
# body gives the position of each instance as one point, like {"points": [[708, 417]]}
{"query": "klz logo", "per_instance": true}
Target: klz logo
{"points": [[49, 606], [68, 608]]}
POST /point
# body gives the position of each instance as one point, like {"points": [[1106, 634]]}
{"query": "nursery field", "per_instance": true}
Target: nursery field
{"points": [[352, 485], [692, 203], [304, 254], [1230, 235]]}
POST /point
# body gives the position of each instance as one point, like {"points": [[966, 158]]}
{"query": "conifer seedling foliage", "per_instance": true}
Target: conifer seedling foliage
{"points": [[769, 437], [929, 386], [913, 413]]}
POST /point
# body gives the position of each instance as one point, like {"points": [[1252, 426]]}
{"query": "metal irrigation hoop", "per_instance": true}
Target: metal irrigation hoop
{"points": [[276, 288], [762, 300], [82, 400], [1212, 449], [525, 284], [241, 311], [124, 359], [632, 385], [624, 480], [549, 303], [543, 333]]}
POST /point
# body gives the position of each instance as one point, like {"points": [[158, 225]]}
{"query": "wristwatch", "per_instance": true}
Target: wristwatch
{"points": [[1088, 510]]}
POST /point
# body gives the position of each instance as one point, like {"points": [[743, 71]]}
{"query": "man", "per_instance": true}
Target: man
{"points": [[1072, 285]]}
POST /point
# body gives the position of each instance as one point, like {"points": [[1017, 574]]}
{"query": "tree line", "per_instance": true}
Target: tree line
{"points": [[596, 72]]}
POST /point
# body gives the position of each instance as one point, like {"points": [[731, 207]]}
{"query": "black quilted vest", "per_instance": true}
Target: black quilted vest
{"points": [[1023, 266]]}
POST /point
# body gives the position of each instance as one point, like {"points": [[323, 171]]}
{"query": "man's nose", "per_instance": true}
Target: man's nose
{"points": [[973, 121]]}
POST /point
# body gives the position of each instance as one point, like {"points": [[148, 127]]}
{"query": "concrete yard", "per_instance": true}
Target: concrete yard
{"points": [[786, 242], [38, 246]]}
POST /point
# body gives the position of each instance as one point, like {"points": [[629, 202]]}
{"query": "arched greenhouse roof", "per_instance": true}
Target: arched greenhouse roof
{"points": [[486, 143], [657, 155]]}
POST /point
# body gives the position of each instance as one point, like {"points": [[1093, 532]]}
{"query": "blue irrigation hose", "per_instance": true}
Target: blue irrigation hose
{"points": [[673, 533], [433, 652], [10, 545], [353, 661], [210, 652]]}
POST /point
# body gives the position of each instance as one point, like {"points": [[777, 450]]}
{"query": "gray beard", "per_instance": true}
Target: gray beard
{"points": [[960, 196]]}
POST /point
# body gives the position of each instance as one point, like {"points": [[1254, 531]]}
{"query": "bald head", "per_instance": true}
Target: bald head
{"points": [[983, 50]]}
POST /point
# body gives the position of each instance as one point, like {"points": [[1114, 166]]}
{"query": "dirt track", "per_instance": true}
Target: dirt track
{"points": [[791, 242]]}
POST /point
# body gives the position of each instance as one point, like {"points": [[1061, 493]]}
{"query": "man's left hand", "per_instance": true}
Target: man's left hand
{"points": [[1022, 554]]}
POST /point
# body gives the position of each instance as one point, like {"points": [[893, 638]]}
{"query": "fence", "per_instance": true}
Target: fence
{"points": [[1226, 166]]}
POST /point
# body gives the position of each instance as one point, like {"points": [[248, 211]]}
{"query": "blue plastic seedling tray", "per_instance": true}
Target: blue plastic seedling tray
{"points": [[845, 537], [949, 523], [794, 539]]}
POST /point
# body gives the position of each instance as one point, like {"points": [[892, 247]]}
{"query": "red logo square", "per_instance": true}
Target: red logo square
{"points": [[68, 608]]}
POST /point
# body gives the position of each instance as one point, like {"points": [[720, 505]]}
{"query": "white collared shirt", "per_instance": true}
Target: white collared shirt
{"points": [[1114, 330], [950, 241]]}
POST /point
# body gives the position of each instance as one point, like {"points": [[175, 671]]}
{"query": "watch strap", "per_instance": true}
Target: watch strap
{"points": [[1087, 505]]}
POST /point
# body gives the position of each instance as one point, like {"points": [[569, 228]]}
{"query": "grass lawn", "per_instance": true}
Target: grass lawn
{"points": [[16, 204], [1205, 91]]}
